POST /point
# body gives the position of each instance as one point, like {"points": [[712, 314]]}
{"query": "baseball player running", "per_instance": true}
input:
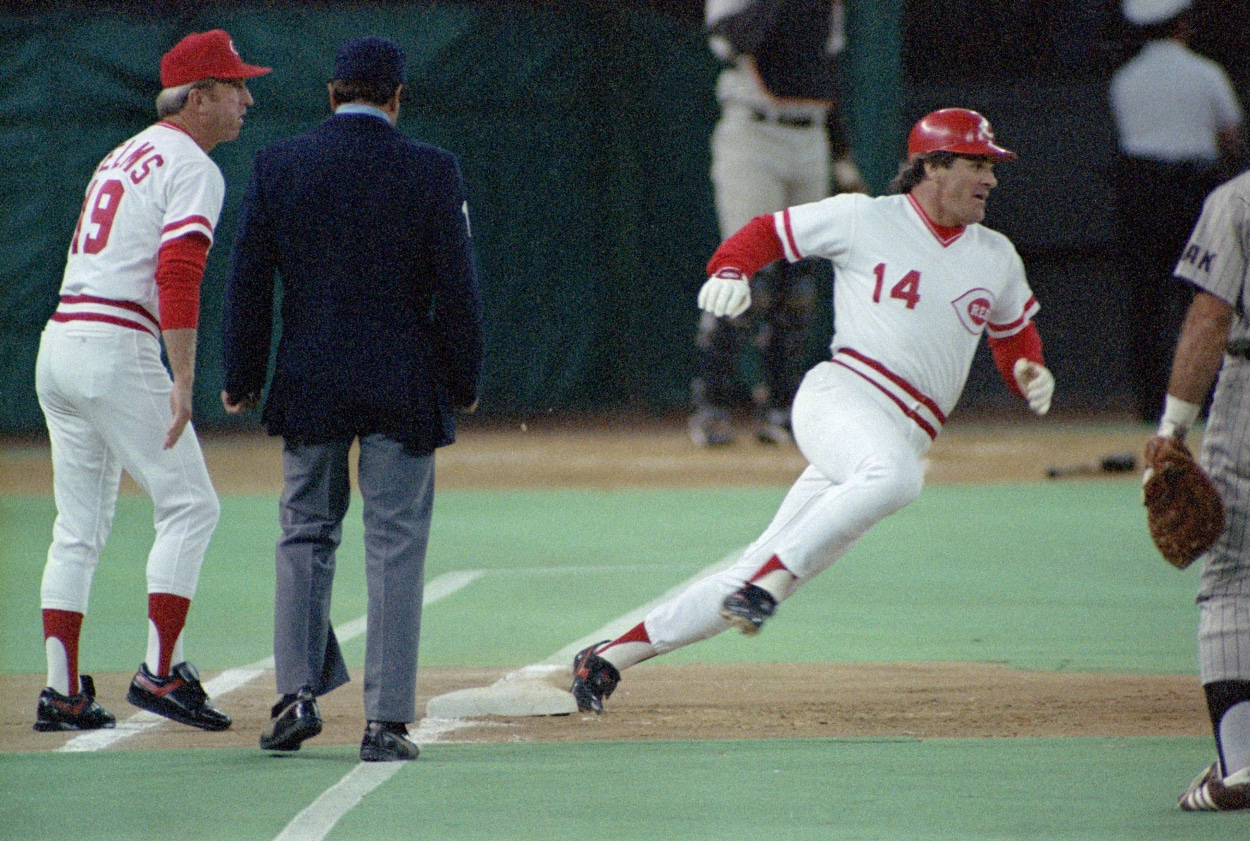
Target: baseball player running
{"points": [[1215, 338], [132, 278], [917, 281]]}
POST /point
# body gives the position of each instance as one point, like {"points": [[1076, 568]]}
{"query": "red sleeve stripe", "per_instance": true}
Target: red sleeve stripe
{"points": [[999, 331], [786, 234], [188, 225]]}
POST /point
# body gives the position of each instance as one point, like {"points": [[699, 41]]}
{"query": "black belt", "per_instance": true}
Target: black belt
{"points": [[782, 120], [1240, 349]]}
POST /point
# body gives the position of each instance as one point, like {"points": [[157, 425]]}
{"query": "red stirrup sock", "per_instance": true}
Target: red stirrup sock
{"points": [[61, 629], [167, 614]]}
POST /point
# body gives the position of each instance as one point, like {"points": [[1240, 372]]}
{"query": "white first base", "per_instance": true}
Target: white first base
{"points": [[520, 693]]}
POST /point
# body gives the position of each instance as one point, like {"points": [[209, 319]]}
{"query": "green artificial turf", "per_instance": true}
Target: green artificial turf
{"points": [[1047, 576], [826, 789]]}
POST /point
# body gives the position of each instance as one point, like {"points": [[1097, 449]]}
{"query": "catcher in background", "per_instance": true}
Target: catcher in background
{"points": [[1215, 338]]}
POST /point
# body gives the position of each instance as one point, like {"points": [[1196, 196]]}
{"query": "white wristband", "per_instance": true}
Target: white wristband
{"points": [[1178, 416]]}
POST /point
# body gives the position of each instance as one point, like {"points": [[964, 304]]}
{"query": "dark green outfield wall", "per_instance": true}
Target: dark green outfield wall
{"points": [[583, 133]]}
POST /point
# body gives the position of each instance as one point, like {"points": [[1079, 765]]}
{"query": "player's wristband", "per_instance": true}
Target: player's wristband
{"points": [[1178, 416]]}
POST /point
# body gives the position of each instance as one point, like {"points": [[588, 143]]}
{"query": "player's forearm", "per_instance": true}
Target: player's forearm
{"points": [[1200, 349], [180, 349], [750, 249], [1025, 344]]}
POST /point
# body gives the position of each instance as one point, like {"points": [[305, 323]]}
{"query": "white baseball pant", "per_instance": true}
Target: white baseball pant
{"points": [[105, 396], [866, 462]]}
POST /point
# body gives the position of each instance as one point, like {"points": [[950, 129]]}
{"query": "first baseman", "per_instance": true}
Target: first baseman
{"points": [[1215, 339], [131, 280], [918, 280]]}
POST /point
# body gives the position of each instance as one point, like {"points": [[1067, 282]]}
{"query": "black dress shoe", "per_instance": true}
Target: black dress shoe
{"points": [[294, 719], [387, 741], [179, 696]]}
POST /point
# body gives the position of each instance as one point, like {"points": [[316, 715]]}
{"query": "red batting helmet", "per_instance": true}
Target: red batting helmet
{"points": [[955, 130]]}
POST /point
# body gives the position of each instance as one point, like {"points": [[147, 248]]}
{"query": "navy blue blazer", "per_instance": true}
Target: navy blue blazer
{"points": [[381, 322]]}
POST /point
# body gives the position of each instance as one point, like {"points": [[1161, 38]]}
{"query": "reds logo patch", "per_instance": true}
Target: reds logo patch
{"points": [[973, 308]]}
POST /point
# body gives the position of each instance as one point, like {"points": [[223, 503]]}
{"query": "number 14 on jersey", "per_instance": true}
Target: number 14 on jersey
{"points": [[906, 289]]}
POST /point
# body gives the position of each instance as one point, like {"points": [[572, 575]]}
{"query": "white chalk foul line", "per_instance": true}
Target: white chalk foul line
{"points": [[316, 821], [232, 679], [563, 659]]}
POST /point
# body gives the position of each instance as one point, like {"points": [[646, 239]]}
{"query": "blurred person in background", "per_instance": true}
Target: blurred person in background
{"points": [[779, 142], [1179, 125]]}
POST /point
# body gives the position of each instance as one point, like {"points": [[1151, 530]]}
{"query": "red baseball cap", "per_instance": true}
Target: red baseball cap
{"points": [[204, 55]]}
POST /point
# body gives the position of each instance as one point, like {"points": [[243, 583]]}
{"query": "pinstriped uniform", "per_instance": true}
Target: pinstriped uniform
{"points": [[1216, 260]]}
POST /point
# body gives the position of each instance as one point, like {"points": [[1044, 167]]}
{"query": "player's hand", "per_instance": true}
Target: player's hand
{"points": [[180, 406], [237, 407], [726, 293], [1037, 383]]}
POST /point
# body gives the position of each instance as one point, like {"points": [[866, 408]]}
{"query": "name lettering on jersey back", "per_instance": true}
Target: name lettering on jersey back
{"points": [[136, 158], [1199, 258], [973, 308]]}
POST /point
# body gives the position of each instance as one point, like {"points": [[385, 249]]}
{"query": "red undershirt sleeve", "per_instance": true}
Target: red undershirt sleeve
{"points": [[750, 249], [1027, 344], [179, 270]]}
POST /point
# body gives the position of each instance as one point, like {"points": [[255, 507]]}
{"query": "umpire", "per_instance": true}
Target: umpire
{"points": [[380, 341]]}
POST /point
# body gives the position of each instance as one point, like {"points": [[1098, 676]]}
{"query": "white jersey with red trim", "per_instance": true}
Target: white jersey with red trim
{"points": [[157, 186], [910, 300]]}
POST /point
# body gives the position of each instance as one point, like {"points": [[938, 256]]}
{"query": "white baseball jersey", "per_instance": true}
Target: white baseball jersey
{"points": [[910, 302], [157, 186]]}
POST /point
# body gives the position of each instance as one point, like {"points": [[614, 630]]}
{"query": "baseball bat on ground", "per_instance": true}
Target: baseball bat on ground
{"points": [[1114, 463]]}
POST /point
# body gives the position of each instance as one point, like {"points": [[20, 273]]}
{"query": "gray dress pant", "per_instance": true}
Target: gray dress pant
{"points": [[398, 492]]}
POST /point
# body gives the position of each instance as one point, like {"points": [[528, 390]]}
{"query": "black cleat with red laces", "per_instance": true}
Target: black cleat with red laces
{"points": [[593, 679], [74, 712], [180, 696]]}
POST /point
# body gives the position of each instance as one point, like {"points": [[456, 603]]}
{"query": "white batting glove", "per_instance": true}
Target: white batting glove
{"points": [[726, 293], [1037, 383]]}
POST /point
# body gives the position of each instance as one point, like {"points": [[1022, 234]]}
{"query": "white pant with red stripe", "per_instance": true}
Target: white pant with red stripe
{"points": [[866, 462], [105, 396]]}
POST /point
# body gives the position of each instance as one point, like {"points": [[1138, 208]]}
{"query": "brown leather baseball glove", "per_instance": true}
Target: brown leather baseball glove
{"points": [[1183, 507]]}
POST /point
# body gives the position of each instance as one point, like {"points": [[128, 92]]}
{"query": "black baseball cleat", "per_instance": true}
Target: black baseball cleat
{"points": [[1209, 792], [74, 712], [748, 607], [387, 741], [180, 697], [293, 719], [594, 679]]}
